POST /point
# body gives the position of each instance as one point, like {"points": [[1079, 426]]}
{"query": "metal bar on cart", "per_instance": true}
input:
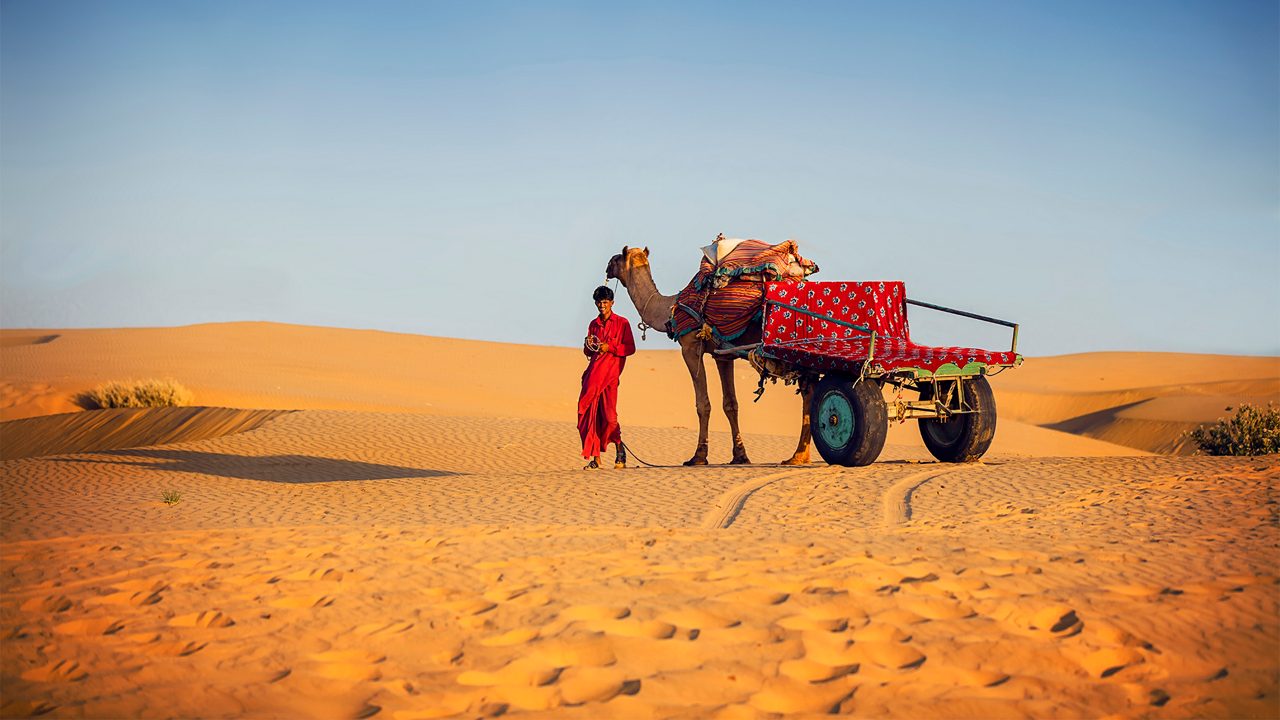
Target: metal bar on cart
{"points": [[975, 316]]}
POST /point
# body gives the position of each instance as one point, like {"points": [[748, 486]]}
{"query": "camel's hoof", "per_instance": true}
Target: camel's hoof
{"points": [[796, 460], [695, 460], [743, 460]]}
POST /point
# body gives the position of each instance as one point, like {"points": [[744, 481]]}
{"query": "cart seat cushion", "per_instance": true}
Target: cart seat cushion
{"points": [[805, 334]]}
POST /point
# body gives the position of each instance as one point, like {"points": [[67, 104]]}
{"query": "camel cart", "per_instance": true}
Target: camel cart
{"points": [[847, 340]]}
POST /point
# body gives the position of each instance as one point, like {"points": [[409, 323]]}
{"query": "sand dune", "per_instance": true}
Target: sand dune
{"points": [[418, 540], [274, 366], [1141, 400], [123, 428]]}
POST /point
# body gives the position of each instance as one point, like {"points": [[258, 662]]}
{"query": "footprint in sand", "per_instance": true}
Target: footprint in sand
{"points": [[1113, 635], [463, 607], [47, 605], [349, 665], [633, 628], [880, 632], [518, 636], [91, 626], [936, 608], [594, 612], [579, 686], [26, 708], [319, 574], [381, 629], [203, 619], [524, 672], [755, 596], [900, 616], [961, 584], [302, 602], [892, 655], [808, 622], [1108, 662], [971, 677], [174, 649], [694, 618], [531, 698], [1058, 621], [1051, 622], [431, 705], [586, 652], [808, 670], [125, 597], [787, 696], [60, 671], [1009, 570], [829, 649], [1138, 591]]}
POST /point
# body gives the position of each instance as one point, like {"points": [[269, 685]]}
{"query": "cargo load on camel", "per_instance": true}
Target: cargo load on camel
{"points": [[726, 296]]}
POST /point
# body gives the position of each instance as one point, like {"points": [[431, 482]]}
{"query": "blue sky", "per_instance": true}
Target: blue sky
{"points": [[1106, 174]]}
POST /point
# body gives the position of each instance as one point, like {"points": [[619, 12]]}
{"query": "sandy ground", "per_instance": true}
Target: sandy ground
{"points": [[421, 542]]}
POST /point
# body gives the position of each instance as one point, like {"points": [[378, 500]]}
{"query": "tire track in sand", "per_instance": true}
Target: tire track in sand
{"points": [[897, 499], [730, 503]]}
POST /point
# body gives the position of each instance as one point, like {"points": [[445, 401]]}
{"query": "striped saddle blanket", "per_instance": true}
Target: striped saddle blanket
{"points": [[728, 296]]}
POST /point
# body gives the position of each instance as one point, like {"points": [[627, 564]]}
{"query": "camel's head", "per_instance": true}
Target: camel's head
{"points": [[620, 264]]}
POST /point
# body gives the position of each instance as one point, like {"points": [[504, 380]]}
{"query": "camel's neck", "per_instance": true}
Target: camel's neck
{"points": [[654, 307]]}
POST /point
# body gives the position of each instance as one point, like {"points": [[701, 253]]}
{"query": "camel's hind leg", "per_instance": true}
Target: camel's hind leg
{"points": [[691, 350], [730, 393], [801, 456]]}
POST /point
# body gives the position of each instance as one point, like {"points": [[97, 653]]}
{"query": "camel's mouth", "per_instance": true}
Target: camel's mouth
{"points": [[609, 270]]}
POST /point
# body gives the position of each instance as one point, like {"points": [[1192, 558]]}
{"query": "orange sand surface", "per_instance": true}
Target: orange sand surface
{"points": [[419, 541]]}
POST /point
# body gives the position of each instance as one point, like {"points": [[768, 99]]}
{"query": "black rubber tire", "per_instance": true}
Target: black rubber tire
{"points": [[859, 402], [962, 438]]}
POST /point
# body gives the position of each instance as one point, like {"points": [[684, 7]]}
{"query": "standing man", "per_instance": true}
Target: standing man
{"points": [[608, 344]]}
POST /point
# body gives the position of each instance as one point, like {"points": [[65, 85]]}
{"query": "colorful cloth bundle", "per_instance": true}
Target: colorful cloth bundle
{"points": [[755, 260], [729, 296]]}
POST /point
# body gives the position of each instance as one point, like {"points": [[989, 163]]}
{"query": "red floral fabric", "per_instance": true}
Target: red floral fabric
{"points": [[818, 344]]}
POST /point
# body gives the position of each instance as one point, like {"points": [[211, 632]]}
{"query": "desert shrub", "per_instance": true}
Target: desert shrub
{"points": [[170, 497], [136, 394], [1251, 431]]}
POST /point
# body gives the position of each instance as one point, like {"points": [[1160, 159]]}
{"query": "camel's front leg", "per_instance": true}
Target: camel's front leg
{"points": [[730, 393], [692, 352], [801, 457]]}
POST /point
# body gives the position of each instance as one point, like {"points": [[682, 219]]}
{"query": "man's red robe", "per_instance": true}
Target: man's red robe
{"points": [[598, 402]]}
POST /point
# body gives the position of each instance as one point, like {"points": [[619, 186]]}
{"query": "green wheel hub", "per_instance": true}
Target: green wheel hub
{"points": [[835, 419]]}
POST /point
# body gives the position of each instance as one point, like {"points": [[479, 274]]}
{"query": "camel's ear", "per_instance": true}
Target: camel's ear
{"points": [[624, 251], [646, 252]]}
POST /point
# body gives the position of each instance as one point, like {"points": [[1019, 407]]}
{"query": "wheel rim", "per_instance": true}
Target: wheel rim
{"points": [[835, 419], [946, 433]]}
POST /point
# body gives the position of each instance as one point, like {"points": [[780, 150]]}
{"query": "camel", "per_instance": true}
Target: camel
{"points": [[631, 268]]}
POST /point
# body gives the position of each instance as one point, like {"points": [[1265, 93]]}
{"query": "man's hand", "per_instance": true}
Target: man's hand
{"points": [[604, 347]]}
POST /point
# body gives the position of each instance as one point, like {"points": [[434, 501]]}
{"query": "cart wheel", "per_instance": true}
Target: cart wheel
{"points": [[962, 438], [849, 420]]}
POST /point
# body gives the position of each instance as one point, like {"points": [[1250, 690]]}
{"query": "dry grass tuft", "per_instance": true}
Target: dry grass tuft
{"points": [[136, 394]]}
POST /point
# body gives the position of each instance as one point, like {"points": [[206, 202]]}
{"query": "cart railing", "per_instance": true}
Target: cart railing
{"points": [[1013, 348]]}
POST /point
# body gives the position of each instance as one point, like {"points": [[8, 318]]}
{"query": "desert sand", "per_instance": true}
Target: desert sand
{"points": [[384, 525]]}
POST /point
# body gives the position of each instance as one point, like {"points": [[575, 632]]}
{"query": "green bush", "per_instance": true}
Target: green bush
{"points": [[1251, 431], [136, 394]]}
